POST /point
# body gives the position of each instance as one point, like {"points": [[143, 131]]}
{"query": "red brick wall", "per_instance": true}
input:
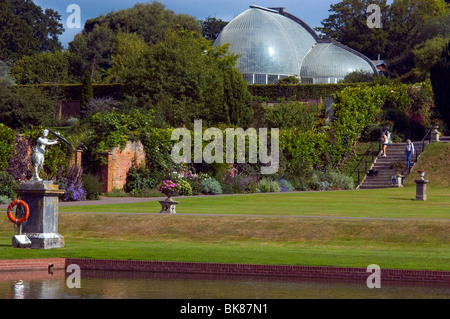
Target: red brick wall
{"points": [[32, 264], [119, 161], [311, 272], [258, 270]]}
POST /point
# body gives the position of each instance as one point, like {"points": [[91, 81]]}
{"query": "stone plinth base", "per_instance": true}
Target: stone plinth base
{"points": [[421, 189], [168, 206], [46, 240], [42, 225]]}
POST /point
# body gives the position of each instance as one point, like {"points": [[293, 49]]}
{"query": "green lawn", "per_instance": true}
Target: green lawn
{"points": [[381, 203], [405, 233]]}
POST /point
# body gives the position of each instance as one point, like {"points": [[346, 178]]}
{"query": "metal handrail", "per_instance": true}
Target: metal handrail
{"points": [[423, 143], [371, 154]]}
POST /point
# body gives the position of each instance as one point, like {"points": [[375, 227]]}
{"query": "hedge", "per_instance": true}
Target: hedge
{"points": [[272, 92], [73, 91], [275, 92]]}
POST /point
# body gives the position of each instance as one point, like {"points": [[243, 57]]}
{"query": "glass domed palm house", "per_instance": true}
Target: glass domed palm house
{"points": [[273, 44]]}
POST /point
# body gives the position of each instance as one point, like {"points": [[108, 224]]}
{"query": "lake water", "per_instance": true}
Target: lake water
{"points": [[141, 285]]}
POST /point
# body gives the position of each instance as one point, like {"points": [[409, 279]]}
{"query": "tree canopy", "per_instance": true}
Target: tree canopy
{"points": [[25, 29], [405, 25], [98, 40], [183, 78]]}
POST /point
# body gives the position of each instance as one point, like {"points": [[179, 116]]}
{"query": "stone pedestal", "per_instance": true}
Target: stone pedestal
{"points": [[421, 189], [435, 135], [168, 206], [42, 225]]}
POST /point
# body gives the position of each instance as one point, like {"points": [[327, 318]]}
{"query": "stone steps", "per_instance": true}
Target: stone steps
{"points": [[395, 153]]}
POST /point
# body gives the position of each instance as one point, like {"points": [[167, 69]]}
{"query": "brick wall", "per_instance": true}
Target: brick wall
{"points": [[310, 272], [119, 161], [32, 264]]}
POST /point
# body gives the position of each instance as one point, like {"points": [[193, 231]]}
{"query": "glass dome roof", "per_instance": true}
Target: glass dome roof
{"points": [[273, 43], [332, 60], [267, 42]]}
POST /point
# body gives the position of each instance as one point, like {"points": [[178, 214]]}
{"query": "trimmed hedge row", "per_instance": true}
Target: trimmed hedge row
{"points": [[272, 92], [73, 91]]}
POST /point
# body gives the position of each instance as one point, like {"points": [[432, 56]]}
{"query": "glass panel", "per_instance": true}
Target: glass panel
{"points": [[248, 77], [272, 79], [260, 79]]}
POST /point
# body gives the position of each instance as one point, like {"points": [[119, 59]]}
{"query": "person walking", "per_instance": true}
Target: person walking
{"points": [[384, 143], [409, 152]]}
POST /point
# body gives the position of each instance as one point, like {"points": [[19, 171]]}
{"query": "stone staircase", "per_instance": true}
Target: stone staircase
{"points": [[395, 152]]}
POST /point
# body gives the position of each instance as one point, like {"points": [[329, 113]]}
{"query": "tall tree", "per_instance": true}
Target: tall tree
{"points": [[57, 67], [183, 78], [211, 28], [347, 24], [405, 24], [406, 20], [26, 29], [440, 80], [97, 42]]}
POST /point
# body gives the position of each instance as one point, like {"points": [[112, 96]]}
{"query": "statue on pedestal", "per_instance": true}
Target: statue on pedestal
{"points": [[38, 154]]}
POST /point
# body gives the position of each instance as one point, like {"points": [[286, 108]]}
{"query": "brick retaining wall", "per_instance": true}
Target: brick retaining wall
{"points": [[258, 270], [312, 272], [32, 264]]}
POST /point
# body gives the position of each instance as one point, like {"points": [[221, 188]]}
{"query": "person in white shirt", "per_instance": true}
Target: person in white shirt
{"points": [[409, 152], [385, 143]]}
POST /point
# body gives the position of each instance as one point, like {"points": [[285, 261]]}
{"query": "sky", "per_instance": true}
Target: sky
{"points": [[310, 11]]}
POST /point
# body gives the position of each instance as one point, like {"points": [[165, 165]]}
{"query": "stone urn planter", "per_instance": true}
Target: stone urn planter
{"points": [[169, 189], [421, 174]]}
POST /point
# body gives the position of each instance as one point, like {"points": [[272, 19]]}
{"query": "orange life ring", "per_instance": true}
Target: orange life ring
{"points": [[24, 217]]}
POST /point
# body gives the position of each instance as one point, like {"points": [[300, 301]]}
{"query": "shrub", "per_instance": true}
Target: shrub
{"points": [[19, 165], [72, 121], [7, 141], [23, 107], [289, 115], [138, 178], [211, 186], [74, 192], [185, 188], [300, 185], [71, 182], [267, 185], [7, 185], [196, 183], [239, 184], [92, 185], [339, 180], [285, 186], [5, 199], [315, 185]]}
